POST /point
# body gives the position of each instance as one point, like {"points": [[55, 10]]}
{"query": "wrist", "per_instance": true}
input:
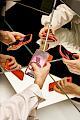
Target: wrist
{"points": [[39, 83]]}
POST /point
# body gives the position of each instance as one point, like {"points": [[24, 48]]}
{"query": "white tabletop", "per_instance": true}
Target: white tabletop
{"points": [[6, 90], [50, 97]]}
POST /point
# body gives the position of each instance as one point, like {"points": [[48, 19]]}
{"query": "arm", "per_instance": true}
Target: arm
{"points": [[19, 107], [62, 15]]}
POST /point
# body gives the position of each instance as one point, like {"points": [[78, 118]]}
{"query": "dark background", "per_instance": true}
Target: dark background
{"points": [[25, 20]]}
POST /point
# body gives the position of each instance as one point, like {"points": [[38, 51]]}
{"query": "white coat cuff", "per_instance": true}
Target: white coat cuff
{"points": [[36, 90]]}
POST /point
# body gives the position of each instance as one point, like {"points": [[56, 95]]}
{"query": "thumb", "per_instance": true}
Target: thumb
{"points": [[34, 66], [12, 38]]}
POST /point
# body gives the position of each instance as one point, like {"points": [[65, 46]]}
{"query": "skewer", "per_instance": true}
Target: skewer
{"points": [[41, 11], [56, 60], [49, 24]]}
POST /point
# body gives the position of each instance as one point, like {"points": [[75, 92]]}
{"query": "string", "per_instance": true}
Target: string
{"points": [[55, 61], [41, 11], [49, 25]]}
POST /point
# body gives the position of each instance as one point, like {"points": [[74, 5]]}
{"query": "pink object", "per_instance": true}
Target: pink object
{"points": [[40, 58]]}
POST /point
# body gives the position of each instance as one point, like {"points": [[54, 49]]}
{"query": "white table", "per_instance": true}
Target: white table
{"points": [[59, 111], [6, 90], [50, 97]]}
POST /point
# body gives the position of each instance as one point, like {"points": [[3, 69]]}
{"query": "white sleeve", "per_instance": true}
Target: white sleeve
{"points": [[20, 105], [62, 15]]}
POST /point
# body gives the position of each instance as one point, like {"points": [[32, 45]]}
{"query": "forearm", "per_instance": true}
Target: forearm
{"points": [[62, 15], [20, 105]]}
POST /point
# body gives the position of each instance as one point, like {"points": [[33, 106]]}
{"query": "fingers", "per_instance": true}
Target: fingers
{"points": [[13, 65], [34, 66], [16, 66], [10, 37], [66, 61], [43, 31], [57, 89], [66, 87], [15, 35], [61, 84], [11, 60], [47, 66], [18, 34], [73, 65], [40, 73]]}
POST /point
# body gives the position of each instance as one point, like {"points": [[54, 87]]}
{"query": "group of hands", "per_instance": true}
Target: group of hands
{"points": [[41, 73], [72, 65]]}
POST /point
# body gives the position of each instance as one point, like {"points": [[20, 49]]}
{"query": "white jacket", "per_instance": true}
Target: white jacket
{"points": [[21, 106], [70, 39]]}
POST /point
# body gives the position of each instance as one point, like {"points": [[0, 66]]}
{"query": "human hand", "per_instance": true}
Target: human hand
{"points": [[8, 37], [44, 30], [20, 42], [73, 65], [13, 65], [40, 73], [68, 87], [52, 41]]}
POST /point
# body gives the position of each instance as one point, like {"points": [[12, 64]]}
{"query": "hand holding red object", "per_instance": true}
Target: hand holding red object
{"points": [[51, 37], [20, 42], [73, 65], [54, 85], [8, 37], [68, 87], [18, 73]]}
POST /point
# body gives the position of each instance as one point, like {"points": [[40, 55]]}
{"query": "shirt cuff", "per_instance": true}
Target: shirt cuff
{"points": [[36, 90]]}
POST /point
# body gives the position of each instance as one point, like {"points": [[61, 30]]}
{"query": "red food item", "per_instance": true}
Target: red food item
{"points": [[51, 86], [17, 73]]}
